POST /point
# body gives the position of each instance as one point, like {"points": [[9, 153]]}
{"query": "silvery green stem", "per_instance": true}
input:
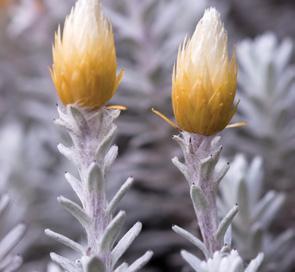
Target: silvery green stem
{"points": [[92, 133], [201, 154]]}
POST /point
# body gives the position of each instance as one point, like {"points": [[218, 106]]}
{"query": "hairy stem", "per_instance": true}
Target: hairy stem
{"points": [[201, 154]]}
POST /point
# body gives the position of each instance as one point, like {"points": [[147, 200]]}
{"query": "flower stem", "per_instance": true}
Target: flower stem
{"points": [[201, 154]]}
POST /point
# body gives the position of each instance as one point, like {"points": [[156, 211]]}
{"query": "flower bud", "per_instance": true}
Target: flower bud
{"points": [[84, 58], [205, 79]]}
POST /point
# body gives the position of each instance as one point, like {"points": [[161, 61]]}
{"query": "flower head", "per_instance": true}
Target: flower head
{"points": [[84, 57], [205, 79]]}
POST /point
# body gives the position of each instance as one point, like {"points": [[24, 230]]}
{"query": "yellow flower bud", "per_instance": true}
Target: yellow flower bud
{"points": [[84, 57], [4, 3], [205, 79]]}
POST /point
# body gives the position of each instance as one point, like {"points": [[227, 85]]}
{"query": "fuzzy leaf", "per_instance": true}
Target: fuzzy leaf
{"points": [[65, 263], [95, 179], [92, 264], [67, 152], [75, 184], [181, 167], [112, 232], [228, 236], [194, 240], [255, 264], [65, 241], [75, 210], [208, 164], [221, 174], [199, 200], [192, 260], [125, 242], [11, 240], [225, 223], [11, 263], [105, 143], [140, 262], [122, 268], [110, 157], [119, 195]]}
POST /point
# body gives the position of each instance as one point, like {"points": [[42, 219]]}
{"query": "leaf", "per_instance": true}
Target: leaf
{"points": [[119, 195], [194, 240], [65, 263], [65, 241], [67, 152], [75, 210], [76, 185], [112, 232], [125, 242], [92, 264], [11, 240], [255, 264], [198, 198], [181, 167], [140, 262], [110, 157], [122, 268], [192, 260], [95, 179], [225, 223]]}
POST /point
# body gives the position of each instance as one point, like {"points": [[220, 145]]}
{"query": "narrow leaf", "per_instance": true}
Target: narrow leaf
{"points": [[267, 215], [65, 263], [125, 242], [221, 174], [95, 179], [112, 231], [11, 240], [75, 210], [181, 167], [122, 268], [141, 262], [92, 264], [110, 157], [106, 142], [194, 240], [199, 200], [227, 240], [192, 260], [76, 185], [208, 164], [255, 264], [10, 263], [119, 195], [225, 222], [65, 241], [67, 152]]}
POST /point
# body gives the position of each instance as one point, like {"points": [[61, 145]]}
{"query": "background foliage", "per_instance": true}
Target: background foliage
{"points": [[148, 33]]}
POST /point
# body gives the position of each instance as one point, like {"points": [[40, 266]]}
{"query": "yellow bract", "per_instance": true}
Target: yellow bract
{"points": [[205, 79], [84, 58]]}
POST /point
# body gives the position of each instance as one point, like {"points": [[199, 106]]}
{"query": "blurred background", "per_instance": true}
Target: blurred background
{"points": [[148, 33]]}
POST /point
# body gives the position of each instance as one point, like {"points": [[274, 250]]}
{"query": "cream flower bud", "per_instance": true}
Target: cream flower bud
{"points": [[84, 57], [205, 79]]}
